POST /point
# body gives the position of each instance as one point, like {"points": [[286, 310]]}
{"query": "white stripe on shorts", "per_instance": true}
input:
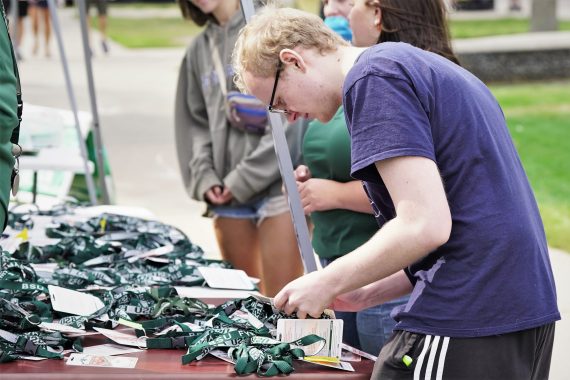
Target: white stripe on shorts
{"points": [[431, 359], [441, 362], [418, 368]]}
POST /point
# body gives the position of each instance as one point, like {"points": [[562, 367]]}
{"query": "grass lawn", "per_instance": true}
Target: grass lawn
{"points": [[484, 28], [538, 116]]}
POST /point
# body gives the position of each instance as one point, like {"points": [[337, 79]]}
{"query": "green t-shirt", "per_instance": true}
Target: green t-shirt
{"points": [[326, 150], [8, 116]]}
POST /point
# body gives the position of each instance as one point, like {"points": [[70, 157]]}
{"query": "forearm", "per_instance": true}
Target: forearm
{"points": [[351, 196], [385, 290], [395, 246]]}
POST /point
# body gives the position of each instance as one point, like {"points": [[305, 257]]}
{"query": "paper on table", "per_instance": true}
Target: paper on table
{"points": [[226, 278], [201, 292], [359, 352], [109, 350], [341, 365], [122, 338], [102, 361], [73, 302], [61, 328]]}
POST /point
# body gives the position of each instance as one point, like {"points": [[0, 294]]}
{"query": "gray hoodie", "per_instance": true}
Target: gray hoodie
{"points": [[210, 151]]}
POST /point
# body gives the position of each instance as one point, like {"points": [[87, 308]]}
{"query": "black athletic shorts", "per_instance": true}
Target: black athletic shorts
{"points": [[519, 355]]}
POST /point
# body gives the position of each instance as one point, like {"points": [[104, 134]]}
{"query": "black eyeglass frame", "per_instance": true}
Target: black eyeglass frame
{"points": [[271, 108]]}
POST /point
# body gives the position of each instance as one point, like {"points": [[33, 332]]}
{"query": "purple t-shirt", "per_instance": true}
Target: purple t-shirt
{"points": [[493, 276]]}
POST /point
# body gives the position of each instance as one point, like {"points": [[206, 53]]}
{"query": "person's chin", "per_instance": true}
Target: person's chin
{"points": [[324, 118]]}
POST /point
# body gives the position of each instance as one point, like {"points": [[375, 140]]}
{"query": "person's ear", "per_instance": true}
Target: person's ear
{"points": [[291, 57], [378, 18]]}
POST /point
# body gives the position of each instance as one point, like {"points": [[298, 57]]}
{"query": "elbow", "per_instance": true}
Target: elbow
{"points": [[436, 232]]}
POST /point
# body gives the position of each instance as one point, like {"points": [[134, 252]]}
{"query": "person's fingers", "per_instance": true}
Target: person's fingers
{"points": [[280, 299], [315, 313], [289, 308], [301, 314]]}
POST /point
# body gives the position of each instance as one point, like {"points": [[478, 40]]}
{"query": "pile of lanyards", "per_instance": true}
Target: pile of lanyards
{"points": [[108, 256]]}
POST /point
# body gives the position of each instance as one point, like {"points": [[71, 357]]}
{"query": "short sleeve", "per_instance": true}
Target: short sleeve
{"points": [[386, 119]]}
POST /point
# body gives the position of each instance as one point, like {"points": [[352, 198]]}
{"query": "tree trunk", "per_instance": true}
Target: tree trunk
{"points": [[543, 17]]}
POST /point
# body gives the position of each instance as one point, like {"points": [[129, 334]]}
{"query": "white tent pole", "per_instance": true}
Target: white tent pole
{"points": [[286, 169], [97, 140], [72, 101]]}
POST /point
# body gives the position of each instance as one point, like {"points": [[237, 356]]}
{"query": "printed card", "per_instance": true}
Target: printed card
{"points": [[109, 350], [102, 361], [226, 278], [340, 365], [73, 302], [289, 330], [358, 352], [123, 338]]}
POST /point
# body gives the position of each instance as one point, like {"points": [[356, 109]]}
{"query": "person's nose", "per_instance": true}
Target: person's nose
{"points": [[292, 117], [331, 10]]}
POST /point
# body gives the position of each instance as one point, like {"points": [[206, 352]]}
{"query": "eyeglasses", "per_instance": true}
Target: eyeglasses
{"points": [[271, 108]]}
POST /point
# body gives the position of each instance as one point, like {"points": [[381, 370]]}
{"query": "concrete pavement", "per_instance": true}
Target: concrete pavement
{"points": [[135, 91]]}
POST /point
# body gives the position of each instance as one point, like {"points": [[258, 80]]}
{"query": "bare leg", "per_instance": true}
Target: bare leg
{"points": [[47, 29], [34, 16], [103, 31], [237, 239], [281, 261]]}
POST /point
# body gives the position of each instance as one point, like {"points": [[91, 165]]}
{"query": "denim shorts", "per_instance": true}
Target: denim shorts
{"points": [[256, 211]]}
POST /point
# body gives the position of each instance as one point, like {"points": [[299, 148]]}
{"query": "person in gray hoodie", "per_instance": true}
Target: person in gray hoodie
{"points": [[234, 170]]}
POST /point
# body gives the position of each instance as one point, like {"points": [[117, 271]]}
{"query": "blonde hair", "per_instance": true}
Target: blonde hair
{"points": [[274, 29]]}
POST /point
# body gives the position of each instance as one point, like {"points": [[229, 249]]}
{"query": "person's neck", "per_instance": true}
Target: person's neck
{"points": [[348, 56], [225, 11]]}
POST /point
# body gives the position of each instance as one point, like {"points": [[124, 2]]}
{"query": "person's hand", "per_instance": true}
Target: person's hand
{"points": [[318, 194], [226, 195], [302, 173], [307, 295], [218, 195]]}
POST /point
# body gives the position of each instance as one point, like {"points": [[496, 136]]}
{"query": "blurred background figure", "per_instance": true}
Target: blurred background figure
{"points": [[226, 160], [515, 5], [21, 14], [101, 21], [39, 13], [335, 14]]}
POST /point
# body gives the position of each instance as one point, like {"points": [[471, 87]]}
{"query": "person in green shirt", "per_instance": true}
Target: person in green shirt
{"points": [[9, 88], [339, 208]]}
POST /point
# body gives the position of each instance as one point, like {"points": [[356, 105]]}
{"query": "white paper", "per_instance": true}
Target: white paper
{"points": [[123, 338], [61, 328], [73, 302], [220, 354], [341, 365], [102, 361], [289, 330], [226, 278], [201, 292], [31, 358], [359, 352], [109, 350]]}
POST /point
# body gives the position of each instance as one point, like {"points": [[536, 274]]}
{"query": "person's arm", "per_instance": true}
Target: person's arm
{"points": [[319, 194], [8, 117], [193, 140], [379, 292], [422, 224]]}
